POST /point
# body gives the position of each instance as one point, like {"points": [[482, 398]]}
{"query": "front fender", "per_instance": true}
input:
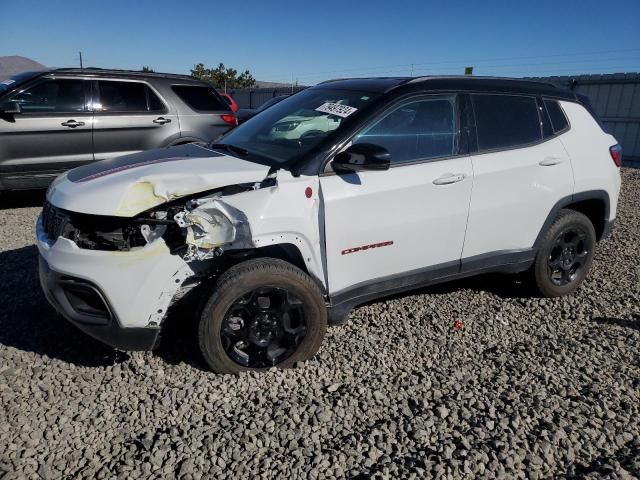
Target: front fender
{"points": [[287, 213]]}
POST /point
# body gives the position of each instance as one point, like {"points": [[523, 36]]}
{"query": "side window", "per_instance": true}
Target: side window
{"points": [[417, 130], [52, 96], [505, 120], [127, 97], [201, 99], [155, 104], [558, 120]]}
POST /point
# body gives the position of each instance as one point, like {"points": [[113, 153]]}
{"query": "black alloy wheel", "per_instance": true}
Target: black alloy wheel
{"points": [[262, 313], [264, 327], [568, 255], [564, 255]]}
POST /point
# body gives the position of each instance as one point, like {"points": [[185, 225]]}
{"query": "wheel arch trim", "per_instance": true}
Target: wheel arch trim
{"points": [[599, 195]]}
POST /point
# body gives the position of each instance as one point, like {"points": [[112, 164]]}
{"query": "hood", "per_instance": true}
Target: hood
{"points": [[126, 186]]}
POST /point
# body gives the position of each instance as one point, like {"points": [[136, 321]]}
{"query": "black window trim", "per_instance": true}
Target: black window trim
{"points": [[565, 129], [96, 99], [326, 169], [543, 139], [225, 103], [47, 78]]}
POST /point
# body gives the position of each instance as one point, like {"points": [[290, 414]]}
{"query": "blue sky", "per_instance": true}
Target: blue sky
{"points": [[316, 40]]}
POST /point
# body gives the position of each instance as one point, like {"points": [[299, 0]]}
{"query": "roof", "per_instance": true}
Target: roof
{"points": [[456, 83], [121, 73]]}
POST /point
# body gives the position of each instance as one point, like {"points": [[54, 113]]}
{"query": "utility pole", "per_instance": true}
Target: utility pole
{"points": [[411, 75], [291, 83], [80, 55]]}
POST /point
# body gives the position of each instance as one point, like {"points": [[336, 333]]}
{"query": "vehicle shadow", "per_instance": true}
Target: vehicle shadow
{"points": [[621, 322], [179, 341], [30, 324], [21, 199], [502, 285]]}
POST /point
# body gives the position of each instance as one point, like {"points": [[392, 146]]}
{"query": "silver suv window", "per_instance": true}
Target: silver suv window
{"points": [[127, 97], [52, 96], [201, 98]]}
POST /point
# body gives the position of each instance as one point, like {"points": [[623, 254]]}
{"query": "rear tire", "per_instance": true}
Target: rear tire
{"points": [[263, 312], [565, 255]]}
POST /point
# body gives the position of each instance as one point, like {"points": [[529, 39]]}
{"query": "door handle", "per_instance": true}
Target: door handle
{"points": [[72, 124], [449, 178], [162, 120], [551, 161]]}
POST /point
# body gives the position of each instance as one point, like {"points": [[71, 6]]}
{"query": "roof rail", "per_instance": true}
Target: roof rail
{"points": [[116, 71]]}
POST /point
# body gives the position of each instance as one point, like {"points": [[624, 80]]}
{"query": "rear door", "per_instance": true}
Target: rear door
{"points": [[52, 132], [521, 170], [130, 116]]}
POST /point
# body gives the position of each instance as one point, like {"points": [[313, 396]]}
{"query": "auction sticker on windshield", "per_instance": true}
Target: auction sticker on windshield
{"points": [[336, 109]]}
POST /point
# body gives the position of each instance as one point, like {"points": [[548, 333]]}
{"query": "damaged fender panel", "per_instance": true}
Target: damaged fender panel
{"points": [[284, 215], [212, 224]]}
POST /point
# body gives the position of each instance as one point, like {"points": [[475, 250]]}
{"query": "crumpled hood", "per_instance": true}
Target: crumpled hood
{"points": [[128, 185]]}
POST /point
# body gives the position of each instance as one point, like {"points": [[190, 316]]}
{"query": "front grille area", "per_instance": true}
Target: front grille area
{"points": [[54, 221], [93, 232]]}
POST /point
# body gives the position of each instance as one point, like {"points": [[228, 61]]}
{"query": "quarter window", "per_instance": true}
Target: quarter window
{"points": [[52, 96], [202, 99], [505, 121], [418, 130], [128, 97], [558, 120]]}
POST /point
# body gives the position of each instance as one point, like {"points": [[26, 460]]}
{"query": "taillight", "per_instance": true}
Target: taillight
{"points": [[230, 119], [616, 154]]}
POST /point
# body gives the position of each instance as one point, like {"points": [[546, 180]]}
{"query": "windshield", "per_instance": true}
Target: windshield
{"points": [[14, 80], [293, 127]]}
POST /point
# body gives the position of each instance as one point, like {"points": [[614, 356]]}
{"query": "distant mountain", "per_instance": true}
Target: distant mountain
{"points": [[15, 64]]}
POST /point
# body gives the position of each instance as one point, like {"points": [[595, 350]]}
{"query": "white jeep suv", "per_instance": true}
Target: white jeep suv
{"points": [[420, 180]]}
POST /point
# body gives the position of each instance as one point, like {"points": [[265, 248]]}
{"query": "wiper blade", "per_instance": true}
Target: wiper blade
{"points": [[230, 148]]}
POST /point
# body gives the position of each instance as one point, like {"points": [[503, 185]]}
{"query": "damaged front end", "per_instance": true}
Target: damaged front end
{"points": [[196, 228]]}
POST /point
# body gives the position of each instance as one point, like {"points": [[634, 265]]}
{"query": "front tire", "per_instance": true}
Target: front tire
{"points": [[263, 313], [565, 255]]}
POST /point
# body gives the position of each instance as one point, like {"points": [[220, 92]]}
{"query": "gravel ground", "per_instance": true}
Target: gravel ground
{"points": [[528, 388]]}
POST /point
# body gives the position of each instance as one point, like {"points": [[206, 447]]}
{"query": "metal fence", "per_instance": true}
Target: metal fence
{"points": [[254, 97], [615, 98]]}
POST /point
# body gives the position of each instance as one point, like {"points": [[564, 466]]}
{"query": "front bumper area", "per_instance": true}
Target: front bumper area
{"points": [[101, 324], [120, 298]]}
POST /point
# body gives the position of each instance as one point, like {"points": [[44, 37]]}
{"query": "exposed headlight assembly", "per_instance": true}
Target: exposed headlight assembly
{"points": [[210, 225]]}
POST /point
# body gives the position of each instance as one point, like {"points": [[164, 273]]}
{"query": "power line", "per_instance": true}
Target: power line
{"points": [[466, 61]]}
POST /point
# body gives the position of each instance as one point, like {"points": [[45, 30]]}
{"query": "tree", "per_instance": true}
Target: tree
{"points": [[147, 69], [222, 77]]}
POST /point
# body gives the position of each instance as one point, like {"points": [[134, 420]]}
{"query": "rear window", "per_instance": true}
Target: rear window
{"points": [[128, 97], [506, 120], [201, 99], [556, 115]]}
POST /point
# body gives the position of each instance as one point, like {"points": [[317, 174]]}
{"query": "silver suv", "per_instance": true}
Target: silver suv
{"points": [[54, 120]]}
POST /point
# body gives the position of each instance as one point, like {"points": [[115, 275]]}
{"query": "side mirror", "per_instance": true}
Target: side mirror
{"points": [[10, 107], [362, 156]]}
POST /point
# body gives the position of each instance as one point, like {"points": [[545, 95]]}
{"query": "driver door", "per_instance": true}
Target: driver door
{"points": [[403, 226], [52, 132]]}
